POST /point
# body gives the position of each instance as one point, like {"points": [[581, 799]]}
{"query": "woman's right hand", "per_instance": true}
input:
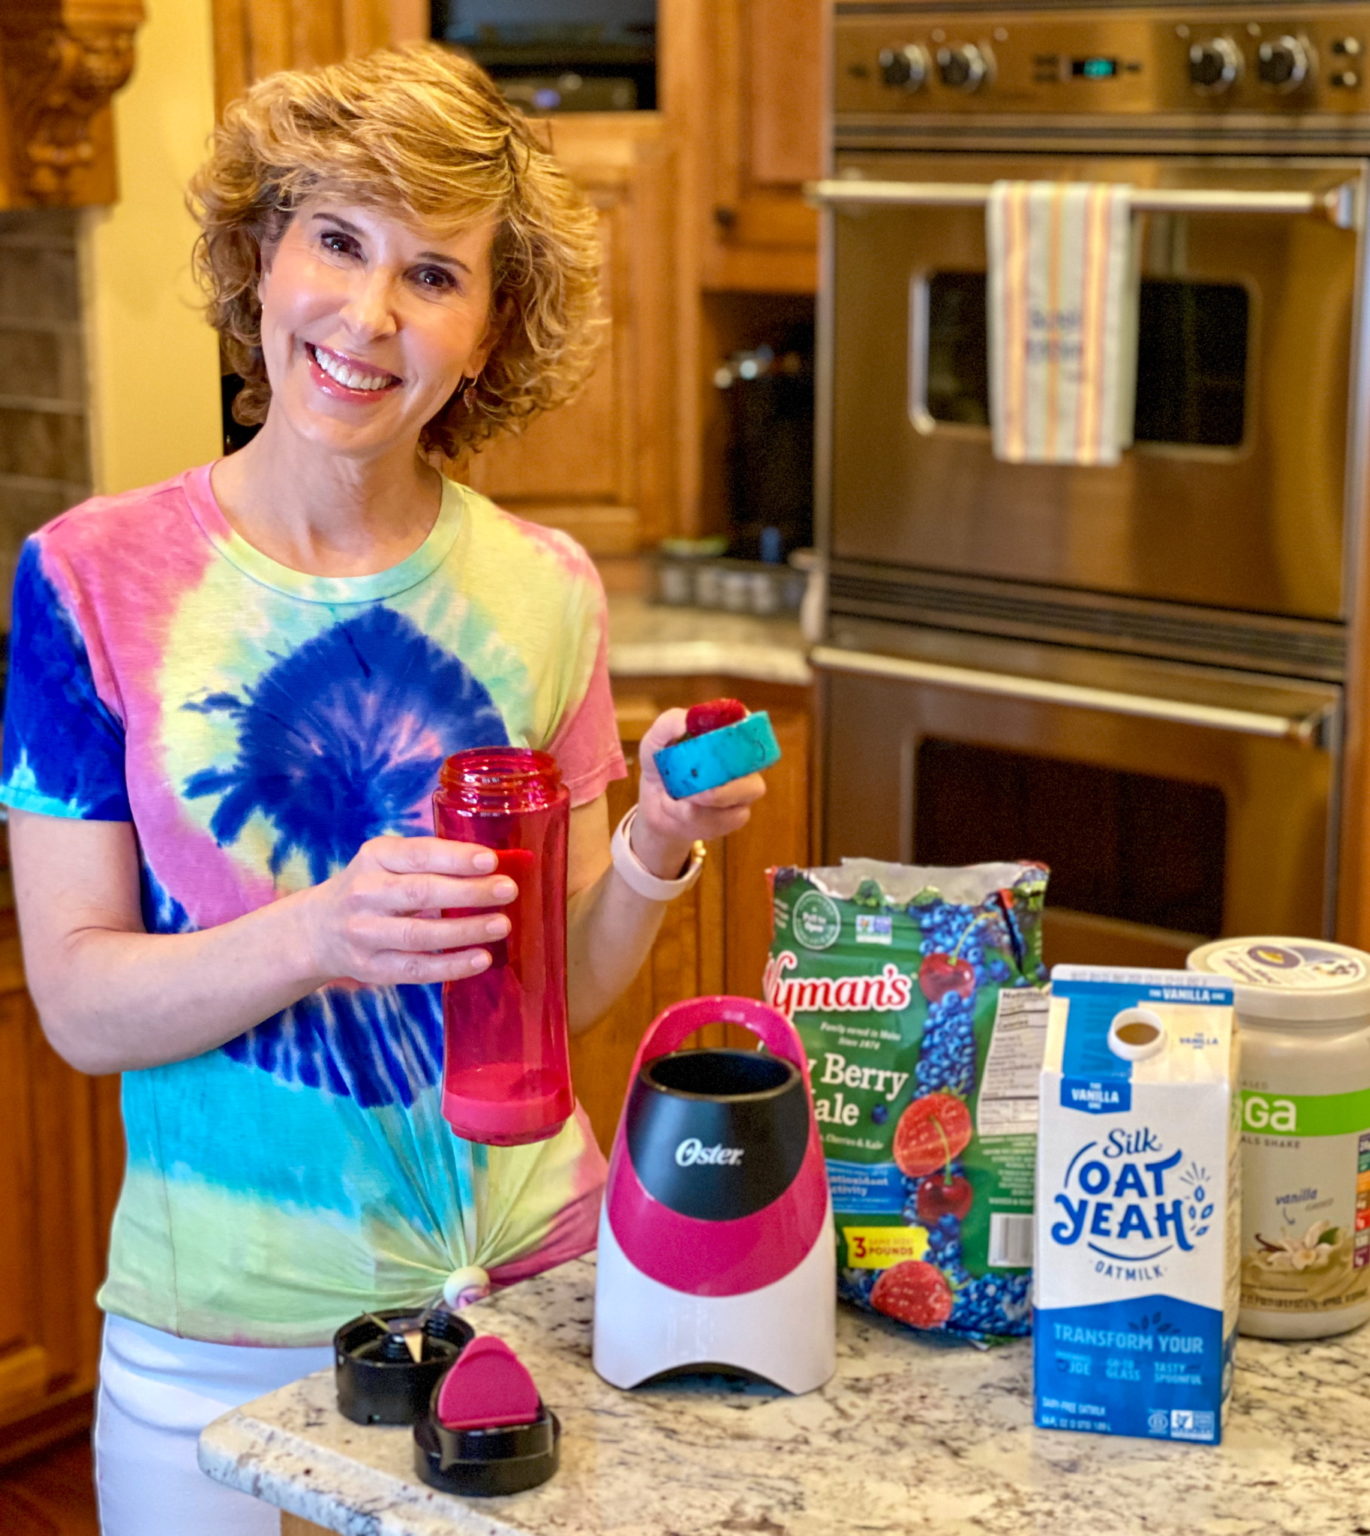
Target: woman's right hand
{"points": [[378, 920]]}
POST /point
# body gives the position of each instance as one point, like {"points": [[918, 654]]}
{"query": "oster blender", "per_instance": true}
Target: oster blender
{"points": [[716, 1246]]}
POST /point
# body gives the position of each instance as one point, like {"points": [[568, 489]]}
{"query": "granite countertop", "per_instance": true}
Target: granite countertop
{"points": [[911, 1435], [655, 640]]}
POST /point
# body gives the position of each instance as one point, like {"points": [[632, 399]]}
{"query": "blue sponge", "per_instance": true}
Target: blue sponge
{"points": [[697, 763]]}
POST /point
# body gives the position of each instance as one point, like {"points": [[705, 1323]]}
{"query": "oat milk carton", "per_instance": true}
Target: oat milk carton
{"points": [[1137, 1251]]}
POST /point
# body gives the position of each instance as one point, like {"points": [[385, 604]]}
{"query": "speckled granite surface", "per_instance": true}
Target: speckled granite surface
{"points": [[909, 1436], [653, 640]]}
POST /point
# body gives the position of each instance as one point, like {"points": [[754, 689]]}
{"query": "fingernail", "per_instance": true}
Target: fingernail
{"points": [[479, 960], [497, 927], [483, 863], [505, 890]]}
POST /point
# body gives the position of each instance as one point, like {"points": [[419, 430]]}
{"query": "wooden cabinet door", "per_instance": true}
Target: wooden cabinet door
{"points": [[762, 133], [25, 1368], [715, 938], [61, 1159], [604, 467], [686, 961], [253, 38], [776, 835]]}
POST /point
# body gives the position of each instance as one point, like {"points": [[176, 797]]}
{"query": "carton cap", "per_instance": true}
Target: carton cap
{"points": [[1276, 977]]}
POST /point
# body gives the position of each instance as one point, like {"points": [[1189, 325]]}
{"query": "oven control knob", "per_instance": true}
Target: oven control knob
{"points": [[904, 68], [1283, 63], [1214, 64], [962, 66]]}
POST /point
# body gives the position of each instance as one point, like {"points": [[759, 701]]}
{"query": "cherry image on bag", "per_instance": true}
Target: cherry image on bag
{"points": [[940, 974], [940, 1195]]}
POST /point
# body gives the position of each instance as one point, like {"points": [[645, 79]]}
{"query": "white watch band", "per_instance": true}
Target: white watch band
{"points": [[635, 874]]}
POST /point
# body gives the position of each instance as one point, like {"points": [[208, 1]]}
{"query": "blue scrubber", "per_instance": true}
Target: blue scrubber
{"points": [[697, 763]]}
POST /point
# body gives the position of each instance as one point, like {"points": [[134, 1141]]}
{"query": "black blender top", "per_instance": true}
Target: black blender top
{"points": [[717, 1134], [379, 1380]]}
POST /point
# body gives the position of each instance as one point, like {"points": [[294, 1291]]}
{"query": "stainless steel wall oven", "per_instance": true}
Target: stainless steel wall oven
{"points": [[1137, 673]]}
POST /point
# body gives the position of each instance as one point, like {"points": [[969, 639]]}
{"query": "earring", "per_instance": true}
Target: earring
{"points": [[464, 392]]}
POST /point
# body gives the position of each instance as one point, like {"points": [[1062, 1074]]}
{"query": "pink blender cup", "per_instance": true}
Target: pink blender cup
{"points": [[506, 1076]]}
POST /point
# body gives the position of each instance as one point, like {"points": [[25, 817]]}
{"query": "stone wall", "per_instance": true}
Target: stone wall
{"points": [[44, 427]]}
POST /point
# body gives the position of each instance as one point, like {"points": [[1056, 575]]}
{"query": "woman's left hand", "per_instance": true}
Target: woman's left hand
{"points": [[665, 829]]}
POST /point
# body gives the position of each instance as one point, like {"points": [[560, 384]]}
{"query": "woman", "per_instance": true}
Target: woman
{"points": [[229, 697]]}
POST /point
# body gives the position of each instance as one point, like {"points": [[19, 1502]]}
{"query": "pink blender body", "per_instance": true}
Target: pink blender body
{"points": [[506, 1074]]}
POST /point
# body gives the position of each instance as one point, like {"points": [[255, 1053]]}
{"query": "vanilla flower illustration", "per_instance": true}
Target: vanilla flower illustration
{"points": [[1313, 1250]]}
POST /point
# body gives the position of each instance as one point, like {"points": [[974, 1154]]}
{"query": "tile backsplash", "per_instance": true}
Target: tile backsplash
{"points": [[44, 427]]}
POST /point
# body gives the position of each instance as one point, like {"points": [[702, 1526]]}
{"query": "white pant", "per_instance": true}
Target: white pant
{"points": [[157, 1392]]}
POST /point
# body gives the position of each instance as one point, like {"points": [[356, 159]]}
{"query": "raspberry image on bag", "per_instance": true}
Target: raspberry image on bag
{"points": [[919, 995]]}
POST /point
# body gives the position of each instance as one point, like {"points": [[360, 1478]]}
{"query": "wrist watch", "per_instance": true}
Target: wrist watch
{"points": [[635, 874]]}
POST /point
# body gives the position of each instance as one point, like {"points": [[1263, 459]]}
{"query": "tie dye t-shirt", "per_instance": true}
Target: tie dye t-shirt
{"points": [[257, 725]]}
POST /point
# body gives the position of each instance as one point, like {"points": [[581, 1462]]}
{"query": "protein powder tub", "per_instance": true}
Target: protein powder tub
{"points": [[1303, 1008]]}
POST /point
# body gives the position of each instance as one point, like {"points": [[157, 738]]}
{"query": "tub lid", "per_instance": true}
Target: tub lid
{"points": [[1282, 978]]}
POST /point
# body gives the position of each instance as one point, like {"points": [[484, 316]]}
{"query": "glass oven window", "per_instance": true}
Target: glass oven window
{"points": [[1192, 348], [1130, 846]]}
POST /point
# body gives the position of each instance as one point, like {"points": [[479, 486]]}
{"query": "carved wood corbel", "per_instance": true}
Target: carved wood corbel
{"points": [[62, 61]]}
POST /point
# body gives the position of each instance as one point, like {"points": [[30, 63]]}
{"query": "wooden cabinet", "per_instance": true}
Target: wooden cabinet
{"points": [[715, 938], [757, 131], [253, 38], [61, 1159], [605, 467]]}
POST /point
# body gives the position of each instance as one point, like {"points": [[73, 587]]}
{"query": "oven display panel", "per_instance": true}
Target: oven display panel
{"points": [[1094, 67]]}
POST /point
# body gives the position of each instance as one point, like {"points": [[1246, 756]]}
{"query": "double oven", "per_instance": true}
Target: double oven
{"points": [[1140, 674]]}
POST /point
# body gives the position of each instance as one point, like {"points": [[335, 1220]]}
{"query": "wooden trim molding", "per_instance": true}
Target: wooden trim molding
{"points": [[61, 62]]}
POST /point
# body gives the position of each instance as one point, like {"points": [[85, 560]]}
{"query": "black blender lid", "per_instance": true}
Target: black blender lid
{"points": [[484, 1463], [378, 1379]]}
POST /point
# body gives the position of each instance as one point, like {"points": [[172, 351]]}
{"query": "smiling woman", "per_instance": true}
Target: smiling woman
{"points": [[229, 698], [370, 324]]}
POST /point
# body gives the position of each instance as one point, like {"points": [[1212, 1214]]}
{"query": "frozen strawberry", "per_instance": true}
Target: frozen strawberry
{"points": [[931, 1131], [915, 1292], [700, 719]]}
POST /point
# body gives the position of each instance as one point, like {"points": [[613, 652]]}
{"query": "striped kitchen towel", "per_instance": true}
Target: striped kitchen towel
{"points": [[1062, 317]]}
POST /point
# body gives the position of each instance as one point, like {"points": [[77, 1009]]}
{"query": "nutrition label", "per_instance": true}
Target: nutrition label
{"points": [[1013, 1065]]}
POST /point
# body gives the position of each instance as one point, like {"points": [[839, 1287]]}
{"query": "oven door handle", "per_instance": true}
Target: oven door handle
{"points": [[1339, 205], [1308, 727]]}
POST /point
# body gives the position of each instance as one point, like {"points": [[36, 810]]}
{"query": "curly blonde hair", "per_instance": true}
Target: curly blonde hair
{"points": [[422, 132]]}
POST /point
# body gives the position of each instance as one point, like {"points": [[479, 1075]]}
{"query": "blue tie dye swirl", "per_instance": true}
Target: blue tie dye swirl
{"points": [[317, 751], [379, 1045], [318, 757]]}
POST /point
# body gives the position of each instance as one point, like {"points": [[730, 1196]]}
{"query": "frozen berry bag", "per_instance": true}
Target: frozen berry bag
{"points": [[919, 994]]}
